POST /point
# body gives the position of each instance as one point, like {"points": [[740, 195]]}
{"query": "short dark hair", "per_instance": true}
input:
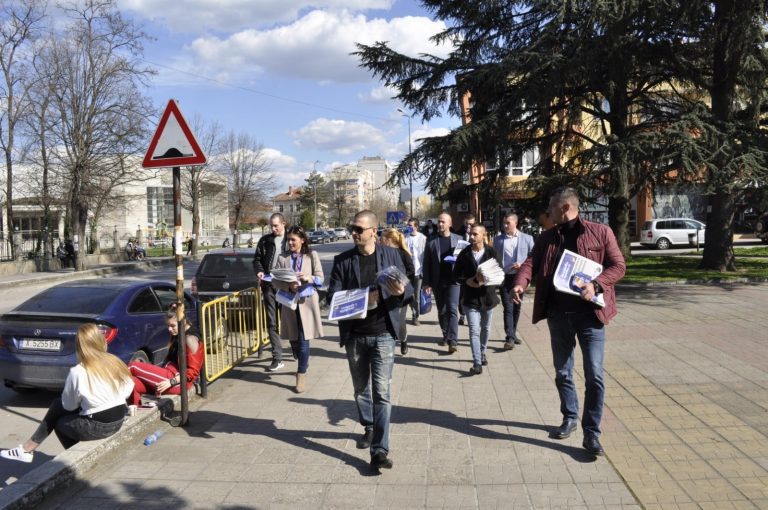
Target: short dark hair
{"points": [[278, 216], [414, 220], [510, 213], [566, 194]]}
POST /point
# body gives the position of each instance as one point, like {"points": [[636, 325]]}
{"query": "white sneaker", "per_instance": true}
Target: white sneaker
{"points": [[17, 453]]}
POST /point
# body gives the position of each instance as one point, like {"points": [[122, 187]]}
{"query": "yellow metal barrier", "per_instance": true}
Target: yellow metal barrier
{"points": [[233, 327]]}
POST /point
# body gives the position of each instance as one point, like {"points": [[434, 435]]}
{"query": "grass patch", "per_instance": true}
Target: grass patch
{"points": [[758, 251], [660, 269]]}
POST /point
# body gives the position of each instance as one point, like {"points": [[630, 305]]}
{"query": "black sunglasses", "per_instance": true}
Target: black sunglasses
{"points": [[354, 229]]}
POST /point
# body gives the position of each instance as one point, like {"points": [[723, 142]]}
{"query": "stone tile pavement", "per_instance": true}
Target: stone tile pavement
{"points": [[685, 424]]}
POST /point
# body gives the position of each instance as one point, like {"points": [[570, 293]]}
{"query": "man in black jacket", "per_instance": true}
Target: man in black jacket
{"points": [[370, 342], [264, 260]]}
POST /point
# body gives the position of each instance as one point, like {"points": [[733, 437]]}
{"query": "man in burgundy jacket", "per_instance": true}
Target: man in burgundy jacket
{"points": [[572, 317]]}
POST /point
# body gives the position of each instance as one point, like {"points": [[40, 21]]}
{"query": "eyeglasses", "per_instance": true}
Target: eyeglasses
{"points": [[354, 229]]}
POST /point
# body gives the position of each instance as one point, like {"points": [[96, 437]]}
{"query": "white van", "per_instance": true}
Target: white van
{"points": [[664, 233]]}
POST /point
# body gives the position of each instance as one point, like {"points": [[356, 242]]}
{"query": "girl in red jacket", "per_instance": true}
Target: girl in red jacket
{"points": [[165, 379]]}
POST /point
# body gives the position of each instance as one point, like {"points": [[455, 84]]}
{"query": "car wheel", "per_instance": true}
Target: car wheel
{"points": [[663, 243], [140, 356]]}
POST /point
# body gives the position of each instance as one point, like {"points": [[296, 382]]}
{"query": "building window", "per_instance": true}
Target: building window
{"points": [[159, 206], [280, 208]]}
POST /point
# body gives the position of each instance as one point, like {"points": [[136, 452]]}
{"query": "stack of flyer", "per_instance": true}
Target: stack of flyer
{"points": [[349, 304], [575, 271], [282, 277], [491, 272]]}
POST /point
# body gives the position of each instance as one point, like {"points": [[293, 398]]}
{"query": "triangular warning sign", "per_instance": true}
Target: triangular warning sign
{"points": [[173, 143]]}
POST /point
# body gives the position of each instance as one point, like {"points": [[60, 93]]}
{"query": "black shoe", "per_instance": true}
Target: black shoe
{"points": [[592, 445], [452, 349], [564, 430], [508, 346], [476, 370], [365, 440], [276, 365], [518, 340], [484, 361], [379, 460], [403, 348], [461, 320], [441, 343]]}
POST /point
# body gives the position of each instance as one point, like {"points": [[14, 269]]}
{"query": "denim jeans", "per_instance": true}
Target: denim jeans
{"points": [[564, 330], [511, 309], [300, 350], [71, 427], [371, 359], [270, 310], [447, 299], [416, 282], [479, 331]]}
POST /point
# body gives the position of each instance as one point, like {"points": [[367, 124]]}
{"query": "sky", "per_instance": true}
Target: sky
{"points": [[281, 70]]}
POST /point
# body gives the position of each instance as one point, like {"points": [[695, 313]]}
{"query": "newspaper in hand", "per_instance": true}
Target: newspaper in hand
{"points": [[459, 246], [491, 272], [349, 304], [575, 271]]}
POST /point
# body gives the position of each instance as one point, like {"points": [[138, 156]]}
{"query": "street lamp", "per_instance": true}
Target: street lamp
{"points": [[314, 178], [410, 173]]}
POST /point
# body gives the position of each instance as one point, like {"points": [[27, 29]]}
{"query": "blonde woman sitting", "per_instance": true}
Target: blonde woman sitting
{"points": [[92, 405]]}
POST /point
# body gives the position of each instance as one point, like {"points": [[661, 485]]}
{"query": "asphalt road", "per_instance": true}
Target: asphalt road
{"points": [[20, 412]]}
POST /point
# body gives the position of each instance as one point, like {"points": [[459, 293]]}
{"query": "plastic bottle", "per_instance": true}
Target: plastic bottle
{"points": [[152, 438]]}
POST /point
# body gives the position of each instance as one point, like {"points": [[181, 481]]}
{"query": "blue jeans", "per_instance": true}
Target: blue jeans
{"points": [[479, 331], [447, 300], [300, 347], [511, 309], [564, 329], [371, 359]]}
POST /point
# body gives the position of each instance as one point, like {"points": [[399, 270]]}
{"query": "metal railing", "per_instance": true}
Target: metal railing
{"points": [[233, 327]]}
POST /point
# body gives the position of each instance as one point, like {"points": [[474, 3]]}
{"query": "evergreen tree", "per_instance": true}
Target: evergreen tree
{"points": [[316, 187]]}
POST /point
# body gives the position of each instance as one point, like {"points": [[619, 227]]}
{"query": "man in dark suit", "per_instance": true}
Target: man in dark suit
{"points": [[370, 342], [439, 280]]}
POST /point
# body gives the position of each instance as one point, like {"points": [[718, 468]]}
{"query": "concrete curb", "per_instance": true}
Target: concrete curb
{"points": [[31, 489]]}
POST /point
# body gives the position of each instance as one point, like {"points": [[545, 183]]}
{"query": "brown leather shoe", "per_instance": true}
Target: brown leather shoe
{"points": [[508, 346]]}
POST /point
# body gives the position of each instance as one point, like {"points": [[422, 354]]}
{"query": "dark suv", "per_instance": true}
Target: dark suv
{"points": [[222, 272]]}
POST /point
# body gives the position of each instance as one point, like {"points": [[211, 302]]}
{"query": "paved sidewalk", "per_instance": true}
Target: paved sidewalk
{"points": [[685, 424]]}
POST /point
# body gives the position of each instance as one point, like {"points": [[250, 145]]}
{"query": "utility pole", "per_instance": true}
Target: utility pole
{"points": [[314, 176], [410, 170]]}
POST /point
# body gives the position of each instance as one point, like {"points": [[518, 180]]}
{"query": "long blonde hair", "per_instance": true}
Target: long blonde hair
{"points": [[396, 238], [92, 354]]}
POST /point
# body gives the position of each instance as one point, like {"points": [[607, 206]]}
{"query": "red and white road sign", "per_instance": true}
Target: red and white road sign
{"points": [[174, 144]]}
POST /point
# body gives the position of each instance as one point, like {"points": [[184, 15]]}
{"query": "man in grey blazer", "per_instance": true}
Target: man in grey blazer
{"points": [[439, 280], [512, 248]]}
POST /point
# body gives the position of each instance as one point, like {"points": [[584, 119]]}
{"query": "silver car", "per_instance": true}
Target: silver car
{"points": [[666, 232]]}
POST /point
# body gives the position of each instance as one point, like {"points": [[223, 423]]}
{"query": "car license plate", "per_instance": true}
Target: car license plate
{"points": [[41, 344]]}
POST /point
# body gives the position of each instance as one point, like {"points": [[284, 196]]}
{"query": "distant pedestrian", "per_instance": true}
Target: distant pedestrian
{"points": [[92, 404], [304, 323], [225, 244], [571, 318], [512, 248], [417, 244], [479, 298], [370, 342], [189, 246], [265, 257], [440, 281], [394, 239]]}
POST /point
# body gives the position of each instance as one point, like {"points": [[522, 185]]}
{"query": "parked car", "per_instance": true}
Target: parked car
{"points": [[318, 237], [37, 338], [761, 227], [222, 272], [666, 232], [341, 233], [331, 235]]}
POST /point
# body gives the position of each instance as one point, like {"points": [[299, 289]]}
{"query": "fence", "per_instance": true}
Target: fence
{"points": [[233, 327]]}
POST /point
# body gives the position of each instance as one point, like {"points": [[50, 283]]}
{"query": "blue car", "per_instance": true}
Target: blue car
{"points": [[37, 338]]}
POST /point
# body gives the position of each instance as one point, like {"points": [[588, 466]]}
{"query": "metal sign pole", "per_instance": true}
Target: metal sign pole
{"points": [[180, 312]]}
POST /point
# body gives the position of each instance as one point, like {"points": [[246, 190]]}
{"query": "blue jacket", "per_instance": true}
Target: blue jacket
{"points": [[432, 260], [524, 247], [345, 275]]}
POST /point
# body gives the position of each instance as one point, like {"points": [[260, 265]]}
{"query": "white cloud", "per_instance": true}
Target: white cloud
{"points": [[317, 46], [339, 136], [199, 16], [382, 94]]}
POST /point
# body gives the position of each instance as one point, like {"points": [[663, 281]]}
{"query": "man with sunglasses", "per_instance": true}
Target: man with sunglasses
{"points": [[370, 342], [264, 260]]}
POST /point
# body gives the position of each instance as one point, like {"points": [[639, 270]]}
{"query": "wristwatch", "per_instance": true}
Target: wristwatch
{"points": [[598, 287]]}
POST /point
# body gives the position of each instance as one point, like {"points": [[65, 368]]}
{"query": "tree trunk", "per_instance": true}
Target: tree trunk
{"points": [[195, 238], [618, 219], [718, 247], [9, 202]]}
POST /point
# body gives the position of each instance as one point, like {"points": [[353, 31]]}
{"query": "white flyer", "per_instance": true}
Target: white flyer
{"points": [[573, 272], [349, 304]]}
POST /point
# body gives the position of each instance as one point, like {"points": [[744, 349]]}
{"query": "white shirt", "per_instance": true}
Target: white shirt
{"points": [[510, 246], [417, 244], [94, 396]]}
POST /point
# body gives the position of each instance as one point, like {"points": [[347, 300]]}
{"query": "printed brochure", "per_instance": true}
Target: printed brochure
{"points": [[349, 304], [573, 272]]}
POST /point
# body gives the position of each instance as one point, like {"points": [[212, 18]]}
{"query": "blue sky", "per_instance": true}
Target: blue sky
{"points": [[281, 71]]}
